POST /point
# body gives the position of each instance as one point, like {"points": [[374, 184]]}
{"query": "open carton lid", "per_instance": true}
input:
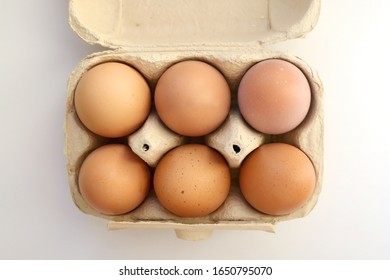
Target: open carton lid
{"points": [[150, 24]]}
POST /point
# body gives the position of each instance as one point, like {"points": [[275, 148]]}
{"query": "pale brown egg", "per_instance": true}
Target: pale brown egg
{"points": [[192, 98], [192, 180], [277, 178], [113, 180], [274, 96], [112, 99]]}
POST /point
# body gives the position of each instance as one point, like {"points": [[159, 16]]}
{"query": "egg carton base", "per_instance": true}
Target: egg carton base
{"points": [[308, 136]]}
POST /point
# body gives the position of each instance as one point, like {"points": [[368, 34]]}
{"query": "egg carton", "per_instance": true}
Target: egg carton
{"points": [[226, 34]]}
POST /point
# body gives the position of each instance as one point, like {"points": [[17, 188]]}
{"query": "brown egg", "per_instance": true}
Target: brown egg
{"points": [[192, 180], [113, 180], [112, 99], [274, 96], [277, 178], [192, 98]]}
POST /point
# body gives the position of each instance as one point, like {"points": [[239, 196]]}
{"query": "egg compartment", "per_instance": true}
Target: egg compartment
{"points": [[234, 139]]}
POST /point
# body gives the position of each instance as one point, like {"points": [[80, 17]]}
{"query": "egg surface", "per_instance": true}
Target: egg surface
{"points": [[113, 180], [192, 180], [112, 99], [274, 96], [277, 178], [192, 98]]}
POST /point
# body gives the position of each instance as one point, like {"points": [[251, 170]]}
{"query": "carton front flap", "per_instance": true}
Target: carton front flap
{"points": [[150, 23]]}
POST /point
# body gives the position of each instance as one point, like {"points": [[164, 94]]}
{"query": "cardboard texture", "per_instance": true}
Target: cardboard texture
{"points": [[152, 35]]}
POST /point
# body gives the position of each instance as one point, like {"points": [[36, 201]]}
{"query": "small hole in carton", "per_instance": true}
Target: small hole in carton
{"points": [[236, 148], [145, 147]]}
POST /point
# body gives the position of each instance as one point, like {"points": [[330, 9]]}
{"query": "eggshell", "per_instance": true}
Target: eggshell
{"points": [[192, 180], [192, 98], [274, 96], [277, 178], [113, 180], [112, 99]]}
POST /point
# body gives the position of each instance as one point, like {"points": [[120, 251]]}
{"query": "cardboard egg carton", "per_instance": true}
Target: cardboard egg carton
{"points": [[227, 34]]}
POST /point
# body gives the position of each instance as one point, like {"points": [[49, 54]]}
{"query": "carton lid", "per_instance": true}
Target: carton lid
{"points": [[143, 24]]}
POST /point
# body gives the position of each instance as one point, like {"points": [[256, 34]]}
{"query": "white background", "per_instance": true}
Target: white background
{"points": [[38, 220]]}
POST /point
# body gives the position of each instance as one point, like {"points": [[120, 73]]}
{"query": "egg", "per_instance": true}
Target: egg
{"points": [[274, 96], [277, 178], [113, 180], [112, 99], [192, 98], [192, 180]]}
